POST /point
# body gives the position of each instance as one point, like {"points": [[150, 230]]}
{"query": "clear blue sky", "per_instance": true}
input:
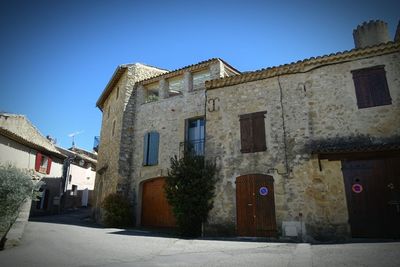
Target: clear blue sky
{"points": [[56, 57]]}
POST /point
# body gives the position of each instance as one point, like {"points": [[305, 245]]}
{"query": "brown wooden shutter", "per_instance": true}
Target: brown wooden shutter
{"points": [[379, 87], [258, 125], [246, 129], [48, 165], [364, 99], [38, 161], [371, 87]]}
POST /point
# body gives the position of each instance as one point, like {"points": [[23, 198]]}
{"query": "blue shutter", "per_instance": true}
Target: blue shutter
{"points": [[153, 148], [145, 149]]}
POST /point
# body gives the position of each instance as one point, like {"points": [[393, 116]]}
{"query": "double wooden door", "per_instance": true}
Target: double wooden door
{"points": [[156, 211], [255, 205], [373, 197]]}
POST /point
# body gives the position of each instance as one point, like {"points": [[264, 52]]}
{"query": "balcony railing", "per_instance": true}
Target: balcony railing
{"points": [[195, 147]]}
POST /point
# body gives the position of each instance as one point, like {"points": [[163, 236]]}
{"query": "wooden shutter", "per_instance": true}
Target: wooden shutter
{"points": [[48, 165], [246, 139], [38, 161], [153, 148], [371, 87], [258, 132], [145, 149]]}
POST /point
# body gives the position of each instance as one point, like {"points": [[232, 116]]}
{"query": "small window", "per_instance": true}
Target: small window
{"points": [[108, 112], [175, 86], [371, 87], [199, 79], [151, 92], [113, 128], [70, 178], [42, 163], [117, 93], [252, 132], [150, 149]]}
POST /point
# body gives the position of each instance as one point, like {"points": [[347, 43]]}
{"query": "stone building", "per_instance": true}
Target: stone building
{"points": [[307, 150]]}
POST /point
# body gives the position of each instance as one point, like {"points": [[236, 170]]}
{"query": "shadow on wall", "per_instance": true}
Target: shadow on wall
{"points": [[78, 198], [48, 202]]}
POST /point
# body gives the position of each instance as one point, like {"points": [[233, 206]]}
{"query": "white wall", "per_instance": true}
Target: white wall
{"points": [[24, 157], [79, 177]]}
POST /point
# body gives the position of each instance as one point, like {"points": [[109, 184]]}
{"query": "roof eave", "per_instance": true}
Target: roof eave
{"points": [[111, 83]]}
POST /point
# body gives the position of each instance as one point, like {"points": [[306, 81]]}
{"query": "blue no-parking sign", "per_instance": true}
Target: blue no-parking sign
{"points": [[263, 190]]}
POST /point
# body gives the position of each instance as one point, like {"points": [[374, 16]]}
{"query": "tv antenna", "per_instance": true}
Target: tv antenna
{"points": [[73, 136]]}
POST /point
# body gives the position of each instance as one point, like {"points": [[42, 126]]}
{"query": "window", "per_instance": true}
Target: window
{"points": [[151, 92], [150, 149], [42, 163], [117, 93], [175, 86], [113, 128], [199, 79], [252, 132], [371, 87], [108, 112], [195, 136]]}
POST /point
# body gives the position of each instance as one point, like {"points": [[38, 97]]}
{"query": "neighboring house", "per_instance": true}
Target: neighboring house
{"points": [[22, 145], [80, 173], [305, 150]]}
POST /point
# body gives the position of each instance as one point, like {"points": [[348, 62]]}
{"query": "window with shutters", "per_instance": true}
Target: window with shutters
{"points": [[42, 163], [371, 87], [252, 132], [150, 149]]}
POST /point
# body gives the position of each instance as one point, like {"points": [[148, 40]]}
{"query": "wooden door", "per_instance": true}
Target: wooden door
{"points": [[373, 197], [255, 205], [156, 211]]}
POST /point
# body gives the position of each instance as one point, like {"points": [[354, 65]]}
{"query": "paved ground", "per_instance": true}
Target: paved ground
{"points": [[68, 240]]}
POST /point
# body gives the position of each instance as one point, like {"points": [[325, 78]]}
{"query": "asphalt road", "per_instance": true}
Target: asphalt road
{"points": [[68, 240]]}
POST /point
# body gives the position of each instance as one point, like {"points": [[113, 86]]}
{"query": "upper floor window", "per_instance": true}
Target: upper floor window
{"points": [[252, 132], [151, 92], [150, 148], [199, 79], [371, 87], [175, 86], [195, 136], [117, 93], [42, 163], [113, 128]]}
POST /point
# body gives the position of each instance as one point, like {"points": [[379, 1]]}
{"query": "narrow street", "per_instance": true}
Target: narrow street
{"points": [[70, 240]]}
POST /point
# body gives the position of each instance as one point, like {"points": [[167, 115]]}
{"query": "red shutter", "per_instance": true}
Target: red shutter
{"points": [[38, 161], [48, 165]]}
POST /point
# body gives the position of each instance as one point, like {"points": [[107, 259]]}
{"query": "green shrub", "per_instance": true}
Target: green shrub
{"points": [[15, 186], [117, 211], [190, 187]]}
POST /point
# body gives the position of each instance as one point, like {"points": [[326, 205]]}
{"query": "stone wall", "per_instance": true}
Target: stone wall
{"points": [[114, 149], [166, 116], [317, 105]]}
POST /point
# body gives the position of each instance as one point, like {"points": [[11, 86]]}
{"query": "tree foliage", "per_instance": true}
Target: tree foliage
{"points": [[15, 186], [189, 188], [118, 212]]}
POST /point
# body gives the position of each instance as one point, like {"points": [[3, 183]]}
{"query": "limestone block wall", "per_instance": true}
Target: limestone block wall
{"points": [[115, 131], [317, 105]]}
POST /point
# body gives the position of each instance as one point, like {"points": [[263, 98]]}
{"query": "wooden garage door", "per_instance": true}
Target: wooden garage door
{"points": [[255, 205], [156, 211], [373, 197]]}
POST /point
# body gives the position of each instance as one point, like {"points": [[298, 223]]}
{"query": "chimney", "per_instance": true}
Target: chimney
{"points": [[371, 33]]}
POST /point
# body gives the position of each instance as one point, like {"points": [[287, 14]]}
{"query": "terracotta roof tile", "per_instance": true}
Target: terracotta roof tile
{"points": [[305, 65]]}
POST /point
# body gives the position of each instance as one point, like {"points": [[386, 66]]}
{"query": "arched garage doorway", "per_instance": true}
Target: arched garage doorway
{"points": [[255, 205], [156, 211]]}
